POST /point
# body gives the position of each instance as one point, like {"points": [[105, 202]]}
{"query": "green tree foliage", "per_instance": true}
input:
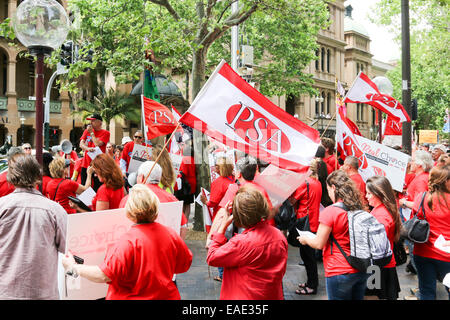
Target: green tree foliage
{"points": [[429, 36], [192, 36], [110, 105]]}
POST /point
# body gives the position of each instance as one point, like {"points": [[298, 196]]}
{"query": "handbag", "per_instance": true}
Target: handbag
{"points": [[415, 229], [286, 216], [399, 252], [301, 224]]}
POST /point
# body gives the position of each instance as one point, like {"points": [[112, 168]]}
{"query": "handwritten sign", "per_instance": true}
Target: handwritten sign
{"points": [[139, 155], [90, 234], [428, 136]]}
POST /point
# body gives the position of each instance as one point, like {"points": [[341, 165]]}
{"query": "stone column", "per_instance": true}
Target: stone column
{"points": [[11, 94]]}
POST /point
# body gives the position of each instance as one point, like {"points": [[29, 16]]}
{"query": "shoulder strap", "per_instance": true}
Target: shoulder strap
{"points": [[307, 199], [56, 191], [421, 206]]}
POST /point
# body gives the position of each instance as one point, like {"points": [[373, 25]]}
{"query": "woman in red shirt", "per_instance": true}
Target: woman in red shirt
{"points": [[381, 197], [254, 261], [433, 263], [141, 264], [308, 196], [111, 191], [60, 188], [342, 280]]}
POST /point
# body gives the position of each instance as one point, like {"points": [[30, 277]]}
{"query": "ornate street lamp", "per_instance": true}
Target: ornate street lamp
{"points": [[41, 26]]}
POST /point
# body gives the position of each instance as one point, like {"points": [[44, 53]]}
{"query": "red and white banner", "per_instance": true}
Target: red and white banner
{"points": [[158, 120], [374, 158], [234, 113], [365, 91]]}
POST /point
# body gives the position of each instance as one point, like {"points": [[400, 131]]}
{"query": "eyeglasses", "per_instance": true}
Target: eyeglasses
{"points": [[138, 137]]}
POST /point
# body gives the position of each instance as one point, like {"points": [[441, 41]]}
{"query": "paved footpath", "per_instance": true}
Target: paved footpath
{"points": [[198, 283]]}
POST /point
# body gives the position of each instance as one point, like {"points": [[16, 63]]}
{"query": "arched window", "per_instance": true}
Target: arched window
{"points": [[323, 103]]}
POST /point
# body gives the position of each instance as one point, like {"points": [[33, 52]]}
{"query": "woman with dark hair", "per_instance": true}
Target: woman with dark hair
{"points": [[342, 280], [433, 263], [381, 197], [308, 197], [254, 261], [47, 158], [111, 191]]}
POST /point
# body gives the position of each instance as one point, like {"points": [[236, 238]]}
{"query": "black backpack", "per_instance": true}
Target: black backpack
{"points": [[185, 190], [286, 216]]}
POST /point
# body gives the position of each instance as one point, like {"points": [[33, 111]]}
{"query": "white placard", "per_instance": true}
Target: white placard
{"points": [[383, 161], [176, 161], [279, 183], [90, 234], [139, 155], [95, 153], [87, 196]]}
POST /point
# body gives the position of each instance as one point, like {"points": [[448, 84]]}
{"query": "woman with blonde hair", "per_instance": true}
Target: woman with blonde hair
{"points": [[141, 264], [60, 188], [343, 282], [431, 262], [168, 176]]}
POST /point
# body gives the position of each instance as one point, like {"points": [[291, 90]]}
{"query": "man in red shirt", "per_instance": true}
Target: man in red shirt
{"points": [[152, 183], [330, 158], [351, 166], [94, 136]]}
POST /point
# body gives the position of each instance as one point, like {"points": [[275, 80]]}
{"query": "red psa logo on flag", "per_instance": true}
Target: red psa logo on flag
{"points": [[255, 128]]}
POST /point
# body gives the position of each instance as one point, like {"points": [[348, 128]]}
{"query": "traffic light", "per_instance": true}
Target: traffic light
{"points": [[414, 109], [67, 53]]}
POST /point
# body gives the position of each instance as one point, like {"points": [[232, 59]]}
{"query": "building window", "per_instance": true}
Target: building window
{"points": [[317, 60], [322, 59], [328, 102], [317, 106], [328, 60], [357, 68], [362, 67]]}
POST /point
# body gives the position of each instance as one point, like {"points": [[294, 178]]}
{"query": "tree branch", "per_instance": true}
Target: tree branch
{"points": [[168, 6]]}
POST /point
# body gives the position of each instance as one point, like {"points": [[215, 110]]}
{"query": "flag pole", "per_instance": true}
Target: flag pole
{"points": [[159, 155]]}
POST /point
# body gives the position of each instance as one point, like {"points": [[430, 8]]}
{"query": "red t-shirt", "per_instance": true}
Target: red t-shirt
{"points": [[163, 197], [66, 188], [311, 204], [108, 195], [102, 135], [383, 216], [218, 189], [233, 188], [45, 181], [142, 263], [417, 186], [439, 220], [361, 185], [188, 168], [5, 187], [330, 162], [334, 262], [254, 263]]}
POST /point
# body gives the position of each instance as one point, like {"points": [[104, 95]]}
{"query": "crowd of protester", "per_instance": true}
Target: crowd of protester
{"points": [[244, 241]]}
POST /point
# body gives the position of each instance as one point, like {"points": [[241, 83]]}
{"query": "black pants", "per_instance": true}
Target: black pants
{"points": [[308, 256], [95, 183]]}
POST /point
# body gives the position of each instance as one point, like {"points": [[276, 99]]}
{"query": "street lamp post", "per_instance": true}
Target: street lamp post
{"points": [[41, 26]]}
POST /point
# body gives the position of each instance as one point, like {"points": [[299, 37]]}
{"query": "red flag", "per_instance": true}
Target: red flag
{"points": [[230, 110], [158, 120], [365, 91], [392, 127]]}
